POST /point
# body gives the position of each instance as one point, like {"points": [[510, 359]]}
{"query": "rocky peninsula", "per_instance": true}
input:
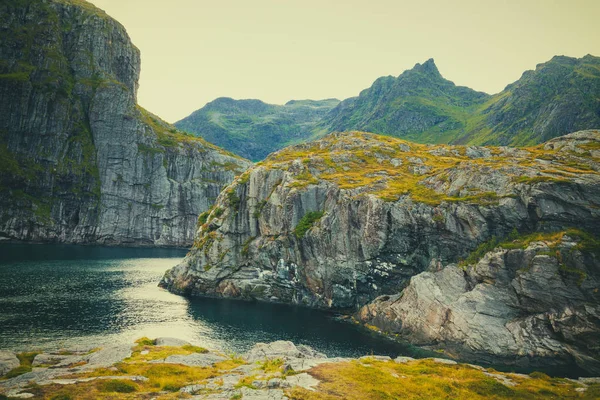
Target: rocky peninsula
{"points": [[496, 244]]}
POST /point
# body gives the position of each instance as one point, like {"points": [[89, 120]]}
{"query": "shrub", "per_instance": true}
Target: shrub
{"points": [[307, 222], [117, 386]]}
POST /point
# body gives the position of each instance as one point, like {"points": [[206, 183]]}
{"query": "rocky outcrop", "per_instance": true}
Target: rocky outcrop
{"points": [[526, 304], [338, 222], [80, 161], [278, 370]]}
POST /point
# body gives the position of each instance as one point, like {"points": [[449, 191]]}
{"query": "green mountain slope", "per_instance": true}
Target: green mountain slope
{"points": [[558, 97], [419, 105], [252, 128]]}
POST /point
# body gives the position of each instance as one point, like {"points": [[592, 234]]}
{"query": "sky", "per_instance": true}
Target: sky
{"points": [[194, 51]]}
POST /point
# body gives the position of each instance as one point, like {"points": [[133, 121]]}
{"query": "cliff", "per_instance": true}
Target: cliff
{"points": [[81, 162], [336, 223]]}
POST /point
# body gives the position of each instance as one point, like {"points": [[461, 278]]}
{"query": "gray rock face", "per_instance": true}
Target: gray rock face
{"points": [[336, 224], [374, 233], [169, 341], [192, 360], [281, 349], [81, 161], [532, 306], [8, 361]]}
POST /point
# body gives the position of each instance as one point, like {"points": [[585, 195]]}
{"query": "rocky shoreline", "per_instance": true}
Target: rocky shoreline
{"points": [[172, 368]]}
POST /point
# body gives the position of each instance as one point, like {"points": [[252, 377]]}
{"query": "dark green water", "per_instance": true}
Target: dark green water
{"points": [[64, 296]]}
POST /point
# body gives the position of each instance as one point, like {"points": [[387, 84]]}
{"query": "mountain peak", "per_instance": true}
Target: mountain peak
{"points": [[428, 67]]}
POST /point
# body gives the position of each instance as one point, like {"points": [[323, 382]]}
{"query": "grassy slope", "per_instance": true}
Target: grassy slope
{"points": [[561, 96], [254, 129]]}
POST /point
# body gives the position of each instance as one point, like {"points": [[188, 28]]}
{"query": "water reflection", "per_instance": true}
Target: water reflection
{"points": [[66, 296]]}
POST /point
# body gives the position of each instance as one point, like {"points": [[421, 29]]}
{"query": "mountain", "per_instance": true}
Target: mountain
{"points": [[80, 161], [560, 96], [253, 129], [336, 223], [419, 105]]}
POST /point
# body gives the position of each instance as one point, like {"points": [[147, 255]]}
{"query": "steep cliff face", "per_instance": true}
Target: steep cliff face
{"points": [[335, 223], [81, 162], [529, 301]]}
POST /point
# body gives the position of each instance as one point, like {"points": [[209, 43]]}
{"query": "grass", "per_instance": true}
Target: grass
{"points": [[376, 165], [586, 242], [117, 386], [307, 222], [26, 360], [160, 352], [272, 366], [425, 379]]}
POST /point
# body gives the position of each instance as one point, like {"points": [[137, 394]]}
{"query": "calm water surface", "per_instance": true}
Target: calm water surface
{"points": [[63, 296]]}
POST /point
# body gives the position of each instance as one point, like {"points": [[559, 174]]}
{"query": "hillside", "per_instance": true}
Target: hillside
{"points": [[253, 129], [336, 223], [419, 105], [558, 97], [80, 161]]}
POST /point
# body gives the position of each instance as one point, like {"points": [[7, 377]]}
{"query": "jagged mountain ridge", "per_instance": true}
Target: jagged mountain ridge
{"points": [[81, 162], [254, 129], [558, 97]]}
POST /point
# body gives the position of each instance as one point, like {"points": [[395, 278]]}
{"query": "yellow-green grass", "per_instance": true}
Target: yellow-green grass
{"points": [[425, 379], [154, 352], [362, 160], [26, 359]]}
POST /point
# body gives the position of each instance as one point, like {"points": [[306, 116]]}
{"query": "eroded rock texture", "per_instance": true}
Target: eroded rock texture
{"points": [[81, 161]]}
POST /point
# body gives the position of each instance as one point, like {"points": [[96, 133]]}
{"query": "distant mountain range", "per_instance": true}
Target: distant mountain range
{"points": [[558, 97], [254, 129]]}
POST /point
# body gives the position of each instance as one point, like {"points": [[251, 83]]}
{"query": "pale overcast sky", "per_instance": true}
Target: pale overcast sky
{"points": [[194, 51]]}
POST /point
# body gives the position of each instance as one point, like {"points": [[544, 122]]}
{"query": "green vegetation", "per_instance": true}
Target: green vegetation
{"points": [[519, 116], [26, 360], [586, 242], [117, 386], [232, 124], [391, 168], [524, 114], [307, 222], [272, 366], [366, 378], [425, 379], [169, 137], [233, 199]]}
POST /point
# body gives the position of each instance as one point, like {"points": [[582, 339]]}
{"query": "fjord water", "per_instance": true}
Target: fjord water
{"points": [[63, 296]]}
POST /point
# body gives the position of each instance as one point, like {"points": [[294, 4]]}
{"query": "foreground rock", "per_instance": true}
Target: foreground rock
{"points": [[533, 303], [8, 361], [266, 372], [336, 223], [81, 162]]}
